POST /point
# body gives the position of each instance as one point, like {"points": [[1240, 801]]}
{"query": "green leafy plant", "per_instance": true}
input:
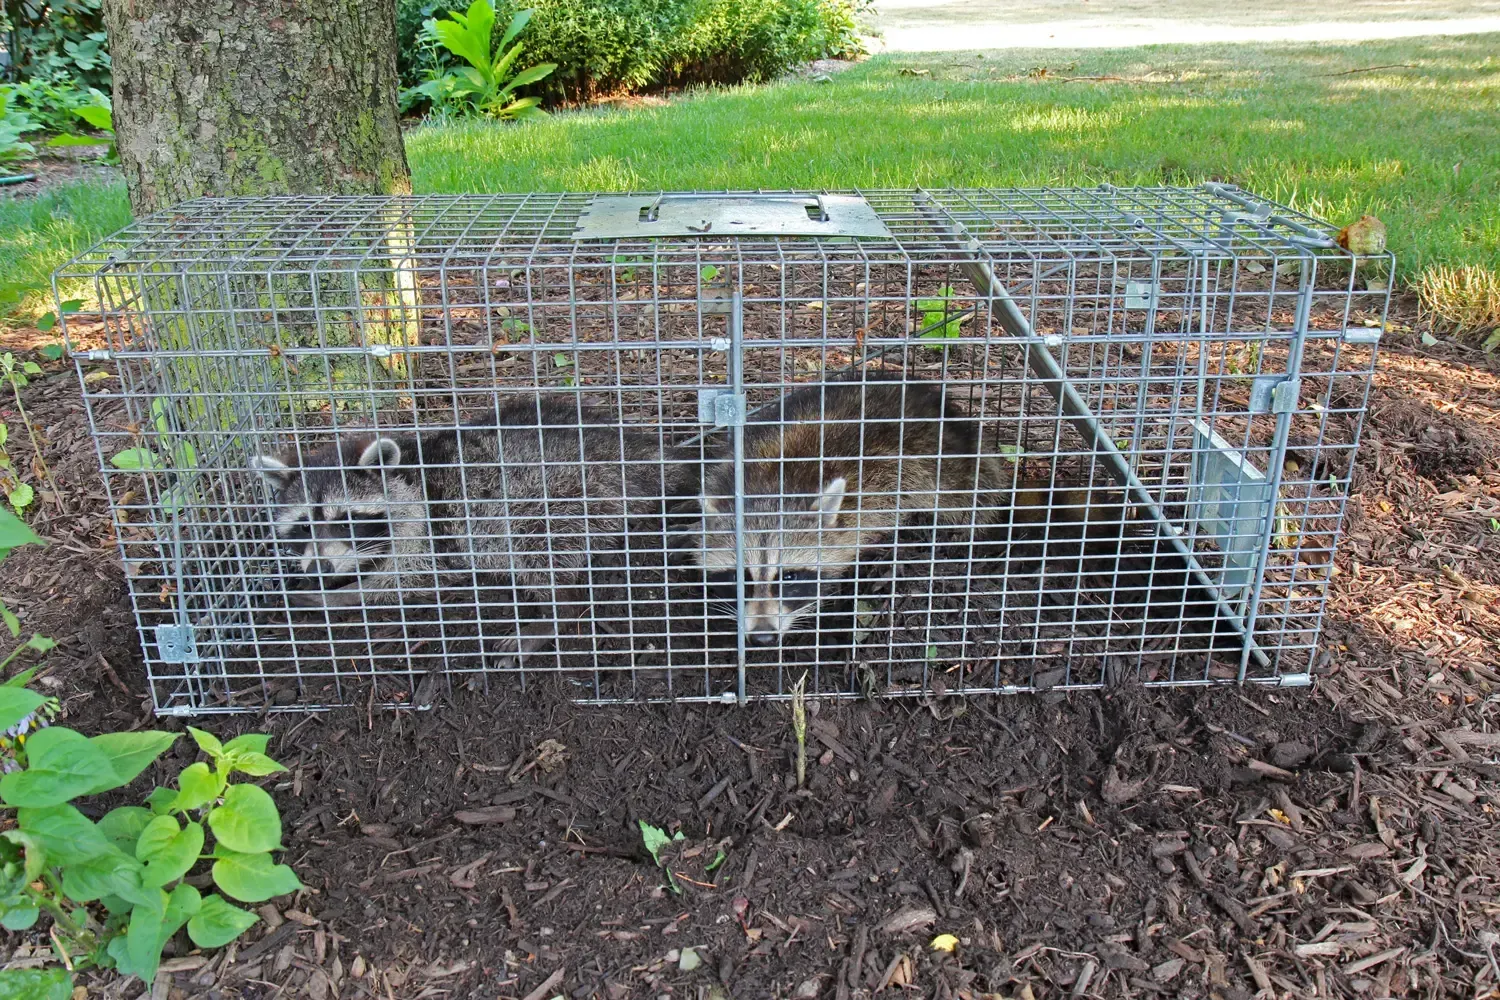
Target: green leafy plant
{"points": [[799, 727], [14, 533], [487, 85], [59, 41], [940, 318], [655, 839], [20, 495], [54, 104], [14, 123], [119, 889], [101, 117]]}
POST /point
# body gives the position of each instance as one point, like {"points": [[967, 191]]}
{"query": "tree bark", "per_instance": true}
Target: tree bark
{"points": [[255, 97]]}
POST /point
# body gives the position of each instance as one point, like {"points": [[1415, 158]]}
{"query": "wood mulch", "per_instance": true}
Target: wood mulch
{"points": [[1338, 841]]}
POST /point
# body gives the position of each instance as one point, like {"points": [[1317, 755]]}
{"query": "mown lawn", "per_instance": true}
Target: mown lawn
{"points": [[1406, 130]]}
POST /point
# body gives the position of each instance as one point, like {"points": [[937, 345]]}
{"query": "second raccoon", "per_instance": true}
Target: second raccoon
{"points": [[833, 470]]}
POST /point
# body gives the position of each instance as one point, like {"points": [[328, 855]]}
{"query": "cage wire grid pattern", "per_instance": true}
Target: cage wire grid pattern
{"points": [[1150, 403]]}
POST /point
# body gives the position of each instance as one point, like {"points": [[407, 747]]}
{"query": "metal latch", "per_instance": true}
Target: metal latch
{"points": [[613, 217], [1274, 394], [177, 643], [721, 407]]}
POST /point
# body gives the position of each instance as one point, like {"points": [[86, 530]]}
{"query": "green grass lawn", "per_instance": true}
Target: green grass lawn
{"points": [[1405, 130]]}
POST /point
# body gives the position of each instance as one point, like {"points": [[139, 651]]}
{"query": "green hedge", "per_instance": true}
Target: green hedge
{"points": [[610, 46]]}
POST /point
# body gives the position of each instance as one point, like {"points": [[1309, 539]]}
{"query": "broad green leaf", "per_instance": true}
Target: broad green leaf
{"points": [[253, 878], [78, 140], [247, 822], [218, 922], [655, 838], [68, 835], [132, 753], [48, 320], [51, 351], [33, 850], [16, 702], [61, 764], [35, 984], [21, 496], [161, 800], [71, 306], [41, 643], [255, 764], [123, 826], [199, 786], [532, 75], [22, 679], [99, 117], [249, 742], [517, 25], [156, 835], [111, 874], [145, 936], [20, 918], [207, 742], [172, 860], [136, 458], [31, 368]]}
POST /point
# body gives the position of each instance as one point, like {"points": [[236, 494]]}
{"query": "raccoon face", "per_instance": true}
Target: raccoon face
{"points": [[795, 549], [341, 521]]}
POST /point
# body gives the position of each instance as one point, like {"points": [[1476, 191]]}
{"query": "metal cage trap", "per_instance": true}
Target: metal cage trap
{"points": [[695, 446]]}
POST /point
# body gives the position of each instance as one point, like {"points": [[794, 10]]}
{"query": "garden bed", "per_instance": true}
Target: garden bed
{"points": [[1338, 841]]}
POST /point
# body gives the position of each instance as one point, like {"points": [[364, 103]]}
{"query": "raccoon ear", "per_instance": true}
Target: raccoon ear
{"points": [[273, 470], [832, 501], [381, 451]]}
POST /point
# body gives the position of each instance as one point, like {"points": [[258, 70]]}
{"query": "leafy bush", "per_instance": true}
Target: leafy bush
{"points": [[607, 46], [54, 105], [486, 86], [119, 889], [57, 41], [14, 123]]}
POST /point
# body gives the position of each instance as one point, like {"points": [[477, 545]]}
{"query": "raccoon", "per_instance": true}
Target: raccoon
{"points": [[834, 470], [545, 493], [831, 471]]}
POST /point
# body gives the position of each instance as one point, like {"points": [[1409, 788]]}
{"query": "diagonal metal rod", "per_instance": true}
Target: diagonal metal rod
{"points": [[1046, 369]]}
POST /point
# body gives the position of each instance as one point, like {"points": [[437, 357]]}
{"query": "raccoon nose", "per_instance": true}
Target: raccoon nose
{"points": [[764, 638]]}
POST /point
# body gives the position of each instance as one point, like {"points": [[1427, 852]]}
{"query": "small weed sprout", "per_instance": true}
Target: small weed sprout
{"points": [[20, 495], [655, 839], [940, 319], [799, 727]]}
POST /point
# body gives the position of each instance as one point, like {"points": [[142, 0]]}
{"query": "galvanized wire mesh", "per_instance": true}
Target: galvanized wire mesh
{"points": [[1170, 383]]}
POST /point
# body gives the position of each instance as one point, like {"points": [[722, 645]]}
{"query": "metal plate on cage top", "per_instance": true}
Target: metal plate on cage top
{"points": [[613, 217]]}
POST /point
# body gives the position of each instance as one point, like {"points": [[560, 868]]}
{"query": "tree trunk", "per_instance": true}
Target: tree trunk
{"points": [[253, 97]]}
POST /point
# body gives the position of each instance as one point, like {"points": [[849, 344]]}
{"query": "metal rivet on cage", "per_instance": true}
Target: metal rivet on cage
{"points": [[696, 446]]}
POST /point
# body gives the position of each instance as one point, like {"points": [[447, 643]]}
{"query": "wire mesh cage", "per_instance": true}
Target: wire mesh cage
{"points": [[697, 446]]}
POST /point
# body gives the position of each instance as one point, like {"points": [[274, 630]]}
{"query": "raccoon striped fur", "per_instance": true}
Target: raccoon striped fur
{"points": [[547, 495]]}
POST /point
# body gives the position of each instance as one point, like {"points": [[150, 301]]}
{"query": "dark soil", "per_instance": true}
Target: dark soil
{"points": [[1340, 841]]}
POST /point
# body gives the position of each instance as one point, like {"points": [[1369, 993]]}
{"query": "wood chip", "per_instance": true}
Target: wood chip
{"points": [[305, 919], [485, 816], [1458, 792], [1168, 970], [1322, 872], [1330, 948], [908, 919], [1354, 968], [544, 990], [1364, 852]]}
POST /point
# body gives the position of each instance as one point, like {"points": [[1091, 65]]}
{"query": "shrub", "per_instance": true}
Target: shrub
{"points": [[488, 83], [54, 105], [57, 41], [609, 46], [118, 890]]}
